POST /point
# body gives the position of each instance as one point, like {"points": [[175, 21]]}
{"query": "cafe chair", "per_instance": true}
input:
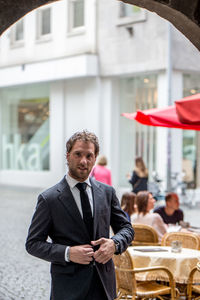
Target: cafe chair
{"points": [[188, 240], [145, 235], [129, 288], [193, 290]]}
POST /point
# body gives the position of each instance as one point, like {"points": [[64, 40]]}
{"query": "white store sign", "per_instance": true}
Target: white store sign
{"points": [[18, 156]]}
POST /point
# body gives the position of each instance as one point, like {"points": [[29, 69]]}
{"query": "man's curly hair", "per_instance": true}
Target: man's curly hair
{"points": [[84, 136]]}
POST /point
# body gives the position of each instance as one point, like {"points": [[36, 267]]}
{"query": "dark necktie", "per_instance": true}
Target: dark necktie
{"points": [[86, 208]]}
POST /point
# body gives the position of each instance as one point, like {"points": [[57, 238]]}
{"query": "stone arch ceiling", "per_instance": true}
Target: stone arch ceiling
{"points": [[183, 14]]}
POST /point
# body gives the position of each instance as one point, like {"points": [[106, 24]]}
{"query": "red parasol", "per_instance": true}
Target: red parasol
{"points": [[185, 114]]}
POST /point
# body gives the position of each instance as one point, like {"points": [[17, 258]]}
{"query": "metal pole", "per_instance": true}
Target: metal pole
{"points": [[169, 94]]}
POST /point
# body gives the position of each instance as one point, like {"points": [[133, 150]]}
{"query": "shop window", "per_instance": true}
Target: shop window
{"points": [[25, 129], [191, 138], [76, 15], [136, 139], [44, 23], [17, 33]]}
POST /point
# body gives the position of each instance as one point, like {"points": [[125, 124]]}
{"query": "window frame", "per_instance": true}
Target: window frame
{"points": [[14, 43], [71, 29], [137, 17], [43, 37]]}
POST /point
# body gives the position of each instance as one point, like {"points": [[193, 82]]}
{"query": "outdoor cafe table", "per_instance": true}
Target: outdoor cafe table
{"points": [[180, 264]]}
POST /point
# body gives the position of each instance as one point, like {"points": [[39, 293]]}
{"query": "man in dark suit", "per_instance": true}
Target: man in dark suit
{"points": [[76, 215]]}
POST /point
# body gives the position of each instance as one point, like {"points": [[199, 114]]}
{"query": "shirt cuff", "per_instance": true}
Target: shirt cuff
{"points": [[67, 254]]}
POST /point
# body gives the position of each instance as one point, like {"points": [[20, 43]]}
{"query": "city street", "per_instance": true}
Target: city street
{"points": [[21, 275]]}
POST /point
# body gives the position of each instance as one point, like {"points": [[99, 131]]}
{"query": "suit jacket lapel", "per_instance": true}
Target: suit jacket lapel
{"points": [[96, 201], [69, 203]]}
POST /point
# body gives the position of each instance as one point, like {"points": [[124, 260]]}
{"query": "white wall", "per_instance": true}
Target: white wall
{"points": [[162, 133], [121, 53], [81, 108], [109, 133], [162, 142], [58, 69], [57, 131], [186, 57], [176, 134]]}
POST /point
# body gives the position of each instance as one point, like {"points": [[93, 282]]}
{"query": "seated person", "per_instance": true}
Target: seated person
{"points": [[170, 213], [145, 203], [128, 204]]}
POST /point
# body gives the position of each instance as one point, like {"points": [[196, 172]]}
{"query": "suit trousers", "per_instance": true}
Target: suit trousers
{"points": [[66, 287]]}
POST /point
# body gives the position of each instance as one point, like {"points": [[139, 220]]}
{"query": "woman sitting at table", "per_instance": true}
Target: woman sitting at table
{"points": [[145, 203], [128, 204]]}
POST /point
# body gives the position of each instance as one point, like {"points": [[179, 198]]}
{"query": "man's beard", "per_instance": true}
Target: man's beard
{"points": [[77, 175]]}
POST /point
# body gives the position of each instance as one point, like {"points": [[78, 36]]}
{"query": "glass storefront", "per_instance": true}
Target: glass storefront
{"points": [[24, 128], [136, 139], [191, 83]]}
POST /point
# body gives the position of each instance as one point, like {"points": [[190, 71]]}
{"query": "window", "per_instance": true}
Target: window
{"points": [[76, 14], [128, 10], [17, 33], [130, 14], [135, 139], [24, 137], [44, 23], [191, 138]]}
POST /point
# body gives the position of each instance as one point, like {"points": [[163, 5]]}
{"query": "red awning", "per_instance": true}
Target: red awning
{"points": [[187, 109]]}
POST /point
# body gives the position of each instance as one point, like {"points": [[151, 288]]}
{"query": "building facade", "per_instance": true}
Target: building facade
{"points": [[78, 64]]}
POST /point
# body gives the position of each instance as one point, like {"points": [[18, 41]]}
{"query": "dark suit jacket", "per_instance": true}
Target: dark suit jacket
{"points": [[57, 216]]}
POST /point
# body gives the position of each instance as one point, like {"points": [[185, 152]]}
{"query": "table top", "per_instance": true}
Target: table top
{"points": [[180, 264], [176, 228]]}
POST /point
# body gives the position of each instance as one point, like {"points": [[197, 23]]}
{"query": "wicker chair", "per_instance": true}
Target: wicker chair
{"points": [[193, 290], [145, 235], [127, 286], [188, 240]]}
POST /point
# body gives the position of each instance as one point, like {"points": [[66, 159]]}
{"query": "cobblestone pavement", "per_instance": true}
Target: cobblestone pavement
{"points": [[21, 275]]}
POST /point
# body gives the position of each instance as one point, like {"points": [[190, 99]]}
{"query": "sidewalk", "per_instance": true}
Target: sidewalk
{"points": [[21, 275]]}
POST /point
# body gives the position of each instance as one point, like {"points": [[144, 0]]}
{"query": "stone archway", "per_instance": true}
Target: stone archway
{"points": [[184, 14]]}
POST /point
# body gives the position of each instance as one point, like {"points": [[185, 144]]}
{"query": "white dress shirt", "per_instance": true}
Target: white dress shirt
{"points": [[76, 194]]}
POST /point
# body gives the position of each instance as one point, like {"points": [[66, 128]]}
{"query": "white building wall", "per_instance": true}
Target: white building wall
{"points": [[81, 109], [186, 57], [176, 134], [57, 130], [162, 132], [109, 130], [122, 53]]}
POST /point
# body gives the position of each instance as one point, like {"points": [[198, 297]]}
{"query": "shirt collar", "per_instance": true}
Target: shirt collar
{"points": [[73, 182]]}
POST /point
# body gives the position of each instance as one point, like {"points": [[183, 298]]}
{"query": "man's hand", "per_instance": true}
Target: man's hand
{"points": [[82, 254], [105, 251]]}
